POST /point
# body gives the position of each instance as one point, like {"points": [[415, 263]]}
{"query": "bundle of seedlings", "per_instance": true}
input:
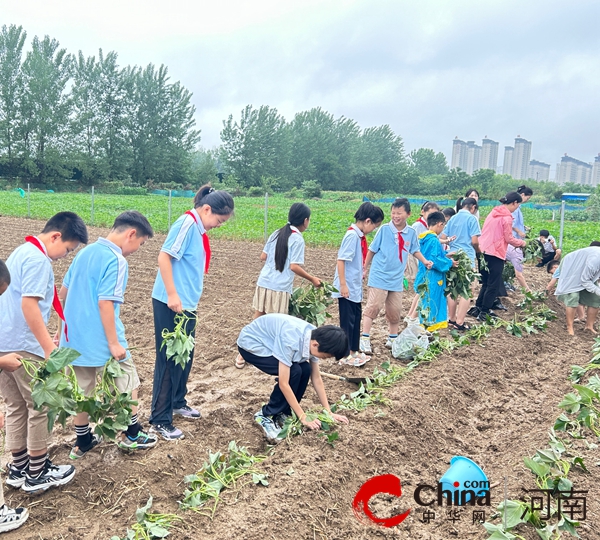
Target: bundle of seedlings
{"points": [[459, 278], [310, 303], [180, 342]]}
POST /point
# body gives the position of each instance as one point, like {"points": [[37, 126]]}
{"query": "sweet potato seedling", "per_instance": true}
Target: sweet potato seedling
{"points": [[179, 342]]}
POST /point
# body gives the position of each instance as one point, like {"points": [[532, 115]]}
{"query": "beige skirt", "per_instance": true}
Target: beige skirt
{"points": [[268, 301]]}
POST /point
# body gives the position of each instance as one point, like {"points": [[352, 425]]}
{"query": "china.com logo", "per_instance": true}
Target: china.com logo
{"points": [[471, 493]]}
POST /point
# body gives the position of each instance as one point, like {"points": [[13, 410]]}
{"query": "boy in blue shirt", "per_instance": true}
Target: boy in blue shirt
{"points": [[389, 252], [95, 288], [290, 349], [24, 313]]}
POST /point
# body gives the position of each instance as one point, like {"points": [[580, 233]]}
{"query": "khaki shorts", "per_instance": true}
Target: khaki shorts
{"points": [[269, 301], [412, 267], [87, 377], [376, 298], [585, 298]]}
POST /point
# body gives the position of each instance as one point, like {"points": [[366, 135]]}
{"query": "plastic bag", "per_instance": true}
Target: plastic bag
{"points": [[413, 338]]}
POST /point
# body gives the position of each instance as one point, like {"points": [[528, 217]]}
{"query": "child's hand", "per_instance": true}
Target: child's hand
{"points": [[10, 362], [316, 281], [451, 238], [454, 263], [174, 303], [313, 424], [339, 418], [429, 265], [344, 291], [117, 351]]}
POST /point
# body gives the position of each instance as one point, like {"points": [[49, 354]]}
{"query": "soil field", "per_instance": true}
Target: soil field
{"points": [[493, 403]]}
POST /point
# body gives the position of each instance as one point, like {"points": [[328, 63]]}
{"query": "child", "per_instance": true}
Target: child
{"points": [[433, 313], [95, 288], [284, 255], [448, 213], [10, 518], [389, 252], [182, 263], [290, 349], [514, 255], [24, 313], [348, 278], [551, 252]]}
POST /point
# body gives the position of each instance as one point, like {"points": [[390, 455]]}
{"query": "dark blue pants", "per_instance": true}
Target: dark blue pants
{"points": [[169, 388], [490, 283], [299, 376], [350, 319]]}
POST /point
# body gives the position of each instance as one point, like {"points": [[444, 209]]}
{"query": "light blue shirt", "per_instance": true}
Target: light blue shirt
{"points": [[419, 227], [31, 276], [99, 272], [184, 245], [464, 226], [270, 277], [387, 271], [351, 253], [285, 337], [518, 222]]}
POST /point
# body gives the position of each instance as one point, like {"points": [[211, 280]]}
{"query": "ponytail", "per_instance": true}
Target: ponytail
{"points": [[524, 190], [297, 215], [220, 202], [459, 204], [467, 202]]}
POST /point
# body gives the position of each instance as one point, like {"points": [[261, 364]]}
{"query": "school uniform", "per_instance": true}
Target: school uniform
{"points": [[392, 249], [184, 244], [464, 226], [419, 226], [351, 252], [549, 251], [277, 338], [98, 272], [31, 276]]}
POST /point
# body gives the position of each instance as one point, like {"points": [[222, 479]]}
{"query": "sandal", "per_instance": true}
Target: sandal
{"points": [[464, 327], [240, 362], [78, 452], [355, 360], [452, 323]]}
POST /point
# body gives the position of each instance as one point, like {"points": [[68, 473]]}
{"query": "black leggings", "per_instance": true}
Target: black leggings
{"points": [[490, 282]]}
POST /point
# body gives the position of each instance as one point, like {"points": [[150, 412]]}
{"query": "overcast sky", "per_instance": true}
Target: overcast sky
{"points": [[431, 69]]}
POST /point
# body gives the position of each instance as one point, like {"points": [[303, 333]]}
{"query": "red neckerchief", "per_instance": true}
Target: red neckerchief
{"points": [[55, 301], [401, 247], [423, 222], [205, 243], [363, 245]]}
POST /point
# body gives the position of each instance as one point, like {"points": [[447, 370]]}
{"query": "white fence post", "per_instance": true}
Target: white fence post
{"points": [[562, 224], [169, 228], [266, 215], [28, 202], [92, 210]]}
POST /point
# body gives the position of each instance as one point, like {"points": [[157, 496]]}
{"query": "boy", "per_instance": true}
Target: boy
{"points": [[290, 349], [10, 518], [551, 252], [95, 287], [24, 313], [579, 272], [389, 252]]}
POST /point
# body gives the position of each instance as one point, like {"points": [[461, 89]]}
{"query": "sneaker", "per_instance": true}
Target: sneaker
{"points": [[167, 431], [280, 419], [15, 477], [355, 360], [51, 475], [474, 312], [389, 343], [483, 316], [78, 452], [12, 518], [509, 287], [499, 305], [187, 412], [270, 428], [365, 345], [141, 441]]}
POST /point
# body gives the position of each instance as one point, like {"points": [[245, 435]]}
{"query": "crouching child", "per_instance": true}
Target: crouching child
{"points": [[290, 349]]}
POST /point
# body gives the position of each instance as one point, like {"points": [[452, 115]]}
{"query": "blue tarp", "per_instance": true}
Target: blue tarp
{"points": [[174, 193]]}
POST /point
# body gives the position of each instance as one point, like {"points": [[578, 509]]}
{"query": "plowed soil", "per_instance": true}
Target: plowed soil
{"points": [[493, 403]]}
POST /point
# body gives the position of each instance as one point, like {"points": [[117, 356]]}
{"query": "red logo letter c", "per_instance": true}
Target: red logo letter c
{"points": [[386, 483]]}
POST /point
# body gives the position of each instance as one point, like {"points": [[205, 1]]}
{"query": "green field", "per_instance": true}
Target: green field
{"points": [[329, 221]]}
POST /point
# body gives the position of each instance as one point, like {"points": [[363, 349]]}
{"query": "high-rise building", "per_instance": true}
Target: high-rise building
{"points": [[508, 160], [459, 154], [520, 159], [596, 171], [489, 154], [473, 157], [538, 171], [573, 170]]}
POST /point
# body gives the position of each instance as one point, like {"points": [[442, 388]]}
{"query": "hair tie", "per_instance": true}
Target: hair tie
{"points": [[288, 223], [211, 190]]}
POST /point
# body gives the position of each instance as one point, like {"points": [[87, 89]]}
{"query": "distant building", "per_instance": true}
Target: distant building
{"points": [[459, 154], [596, 171], [470, 157], [538, 171], [489, 154], [473, 157], [573, 170], [521, 158], [508, 160]]}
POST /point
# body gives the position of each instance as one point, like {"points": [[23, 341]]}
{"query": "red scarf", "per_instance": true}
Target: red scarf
{"points": [[205, 243], [363, 245], [401, 247], [55, 301], [423, 222]]}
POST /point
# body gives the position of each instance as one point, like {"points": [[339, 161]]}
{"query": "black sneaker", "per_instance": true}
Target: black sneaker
{"points": [[15, 477], [473, 312], [484, 315], [12, 518], [499, 305], [51, 475]]}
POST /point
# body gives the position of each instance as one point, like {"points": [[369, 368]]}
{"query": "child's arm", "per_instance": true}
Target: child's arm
{"points": [[288, 393], [317, 380], [341, 268], [551, 284], [107, 316], [10, 362], [165, 267], [475, 243], [299, 271], [35, 321], [419, 256]]}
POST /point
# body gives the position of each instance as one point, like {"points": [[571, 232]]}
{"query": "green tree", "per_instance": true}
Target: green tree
{"points": [[427, 162]]}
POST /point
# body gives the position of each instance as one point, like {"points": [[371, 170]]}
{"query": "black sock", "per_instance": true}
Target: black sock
{"points": [[84, 436], [134, 427], [36, 464], [20, 459]]}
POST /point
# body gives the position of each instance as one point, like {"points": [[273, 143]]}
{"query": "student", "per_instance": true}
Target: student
{"points": [[579, 273], [514, 255], [496, 235], [10, 518], [24, 313], [433, 313], [95, 288], [473, 194], [348, 278], [448, 213], [290, 349], [183, 260], [389, 251], [284, 256], [464, 231], [551, 252]]}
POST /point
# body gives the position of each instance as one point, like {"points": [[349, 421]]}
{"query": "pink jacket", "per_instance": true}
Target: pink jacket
{"points": [[497, 233]]}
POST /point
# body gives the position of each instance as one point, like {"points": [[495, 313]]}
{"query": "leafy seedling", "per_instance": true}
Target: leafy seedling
{"points": [[310, 303], [459, 278], [149, 525], [180, 342]]}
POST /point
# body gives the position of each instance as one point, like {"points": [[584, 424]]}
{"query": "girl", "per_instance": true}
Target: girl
{"points": [[464, 226], [349, 275], [495, 237], [473, 194], [284, 255], [183, 260], [513, 254]]}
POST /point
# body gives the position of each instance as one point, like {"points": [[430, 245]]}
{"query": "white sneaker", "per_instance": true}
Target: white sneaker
{"points": [[12, 518], [365, 345], [389, 342]]}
